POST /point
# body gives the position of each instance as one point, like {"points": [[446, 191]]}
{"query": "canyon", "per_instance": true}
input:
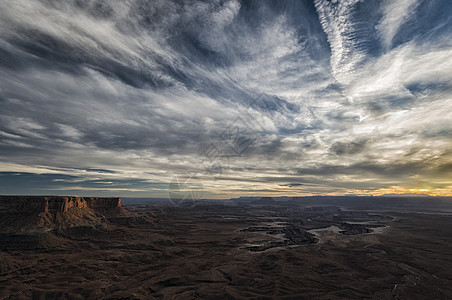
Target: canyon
{"points": [[67, 247], [34, 213]]}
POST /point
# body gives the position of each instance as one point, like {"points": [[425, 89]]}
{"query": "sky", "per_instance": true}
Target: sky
{"points": [[219, 99]]}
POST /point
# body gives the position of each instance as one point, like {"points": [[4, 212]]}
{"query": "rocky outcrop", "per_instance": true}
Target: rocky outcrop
{"points": [[352, 229], [299, 236], [63, 204], [54, 204], [24, 213], [23, 204], [103, 203]]}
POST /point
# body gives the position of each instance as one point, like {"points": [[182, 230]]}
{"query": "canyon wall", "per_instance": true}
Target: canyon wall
{"points": [[54, 204], [99, 203]]}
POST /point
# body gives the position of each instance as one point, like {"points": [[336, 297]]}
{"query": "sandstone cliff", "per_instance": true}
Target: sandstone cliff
{"points": [[21, 213], [52, 204]]}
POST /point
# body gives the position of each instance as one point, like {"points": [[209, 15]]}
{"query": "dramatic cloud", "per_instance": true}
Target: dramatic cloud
{"points": [[232, 97]]}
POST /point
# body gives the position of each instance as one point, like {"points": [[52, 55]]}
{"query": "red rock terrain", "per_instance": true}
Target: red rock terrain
{"points": [[209, 252], [29, 213]]}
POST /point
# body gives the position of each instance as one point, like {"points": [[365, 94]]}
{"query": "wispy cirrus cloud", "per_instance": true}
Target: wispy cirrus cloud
{"points": [[395, 13], [357, 95]]}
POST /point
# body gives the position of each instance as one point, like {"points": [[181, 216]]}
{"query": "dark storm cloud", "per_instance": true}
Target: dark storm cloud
{"points": [[110, 91]]}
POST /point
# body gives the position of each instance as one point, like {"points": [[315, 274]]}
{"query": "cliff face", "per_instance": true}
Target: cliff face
{"points": [[23, 213], [19, 204], [97, 203], [54, 204]]}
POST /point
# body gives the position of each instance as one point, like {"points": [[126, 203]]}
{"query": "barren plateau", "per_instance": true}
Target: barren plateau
{"points": [[221, 251]]}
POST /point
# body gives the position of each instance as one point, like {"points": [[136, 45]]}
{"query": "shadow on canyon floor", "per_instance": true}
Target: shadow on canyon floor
{"points": [[217, 251]]}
